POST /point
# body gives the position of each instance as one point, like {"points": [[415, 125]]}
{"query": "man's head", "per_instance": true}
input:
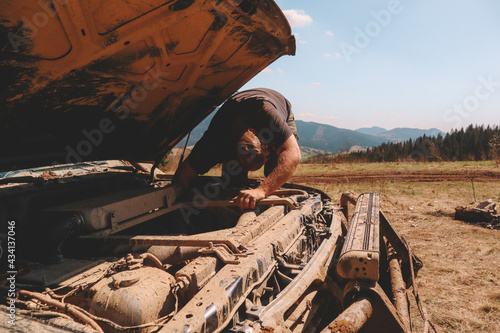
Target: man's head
{"points": [[251, 153]]}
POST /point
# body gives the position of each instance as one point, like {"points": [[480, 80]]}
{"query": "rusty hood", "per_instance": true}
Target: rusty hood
{"points": [[85, 80]]}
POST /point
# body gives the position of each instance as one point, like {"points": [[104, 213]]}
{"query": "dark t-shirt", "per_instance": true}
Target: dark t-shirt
{"points": [[265, 110]]}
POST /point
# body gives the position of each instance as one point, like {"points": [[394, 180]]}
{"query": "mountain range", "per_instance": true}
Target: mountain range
{"points": [[400, 133], [332, 139]]}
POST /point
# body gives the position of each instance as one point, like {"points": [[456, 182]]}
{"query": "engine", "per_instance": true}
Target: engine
{"points": [[132, 258]]}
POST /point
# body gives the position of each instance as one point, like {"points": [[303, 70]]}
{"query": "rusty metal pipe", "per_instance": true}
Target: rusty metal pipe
{"points": [[287, 201], [173, 255], [176, 241], [69, 325], [345, 199], [284, 277], [352, 319], [290, 192], [151, 258], [44, 313], [298, 195], [398, 287], [69, 308]]}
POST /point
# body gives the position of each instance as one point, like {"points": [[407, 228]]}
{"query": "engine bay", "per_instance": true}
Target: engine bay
{"points": [[118, 249]]}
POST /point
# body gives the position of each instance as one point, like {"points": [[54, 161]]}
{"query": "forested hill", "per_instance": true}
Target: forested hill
{"points": [[475, 143], [329, 138], [399, 133]]}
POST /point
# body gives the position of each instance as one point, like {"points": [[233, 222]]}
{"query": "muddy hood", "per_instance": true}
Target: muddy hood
{"points": [[108, 79]]}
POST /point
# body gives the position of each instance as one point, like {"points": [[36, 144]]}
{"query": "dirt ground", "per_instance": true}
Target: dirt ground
{"points": [[343, 177], [460, 280]]}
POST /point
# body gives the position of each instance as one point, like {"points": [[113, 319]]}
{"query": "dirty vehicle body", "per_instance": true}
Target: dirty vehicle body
{"points": [[92, 243]]}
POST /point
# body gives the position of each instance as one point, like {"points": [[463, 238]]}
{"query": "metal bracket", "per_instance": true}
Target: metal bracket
{"points": [[224, 253], [114, 222], [289, 202]]}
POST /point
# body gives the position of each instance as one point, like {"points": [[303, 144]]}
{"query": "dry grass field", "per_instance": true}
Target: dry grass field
{"points": [[460, 280]]}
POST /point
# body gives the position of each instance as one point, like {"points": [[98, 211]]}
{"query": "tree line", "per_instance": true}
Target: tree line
{"points": [[474, 143]]}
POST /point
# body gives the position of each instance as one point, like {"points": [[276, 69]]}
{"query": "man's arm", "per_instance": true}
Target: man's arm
{"points": [[288, 160]]}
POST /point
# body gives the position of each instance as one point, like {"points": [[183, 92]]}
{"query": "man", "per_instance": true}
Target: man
{"points": [[252, 128]]}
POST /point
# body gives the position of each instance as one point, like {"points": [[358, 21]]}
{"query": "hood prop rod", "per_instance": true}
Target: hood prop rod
{"points": [[184, 150]]}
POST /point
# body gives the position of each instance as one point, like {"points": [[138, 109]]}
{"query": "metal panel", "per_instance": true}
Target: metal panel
{"points": [[125, 81], [360, 255]]}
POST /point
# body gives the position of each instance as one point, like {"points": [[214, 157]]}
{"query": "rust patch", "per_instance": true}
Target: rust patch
{"points": [[341, 326]]}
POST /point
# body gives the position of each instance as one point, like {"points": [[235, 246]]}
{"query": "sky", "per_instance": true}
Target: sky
{"points": [[391, 63]]}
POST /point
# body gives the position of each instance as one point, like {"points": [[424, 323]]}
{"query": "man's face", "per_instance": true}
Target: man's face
{"points": [[253, 160], [252, 154]]}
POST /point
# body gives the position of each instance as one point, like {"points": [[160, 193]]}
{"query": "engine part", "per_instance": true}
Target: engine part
{"points": [[174, 254], [134, 297], [385, 317], [353, 318], [282, 277], [195, 275], [398, 287], [275, 312], [120, 209], [360, 255], [61, 306], [214, 305]]}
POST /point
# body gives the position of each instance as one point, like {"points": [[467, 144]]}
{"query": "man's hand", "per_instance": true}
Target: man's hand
{"points": [[247, 199], [288, 159]]}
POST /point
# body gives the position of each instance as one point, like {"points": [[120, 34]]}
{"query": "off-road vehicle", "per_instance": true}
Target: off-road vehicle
{"points": [[93, 95]]}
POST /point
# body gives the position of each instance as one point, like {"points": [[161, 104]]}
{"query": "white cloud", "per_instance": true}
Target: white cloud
{"points": [[329, 33], [302, 41], [280, 71], [327, 55], [316, 84], [338, 55], [297, 18], [267, 70]]}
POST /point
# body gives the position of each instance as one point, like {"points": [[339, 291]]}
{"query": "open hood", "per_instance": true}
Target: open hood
{"points": [[85, 80]]}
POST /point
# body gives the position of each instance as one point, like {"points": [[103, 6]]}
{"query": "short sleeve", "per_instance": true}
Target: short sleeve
{"points": [[268, 121], [266, 113]]}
